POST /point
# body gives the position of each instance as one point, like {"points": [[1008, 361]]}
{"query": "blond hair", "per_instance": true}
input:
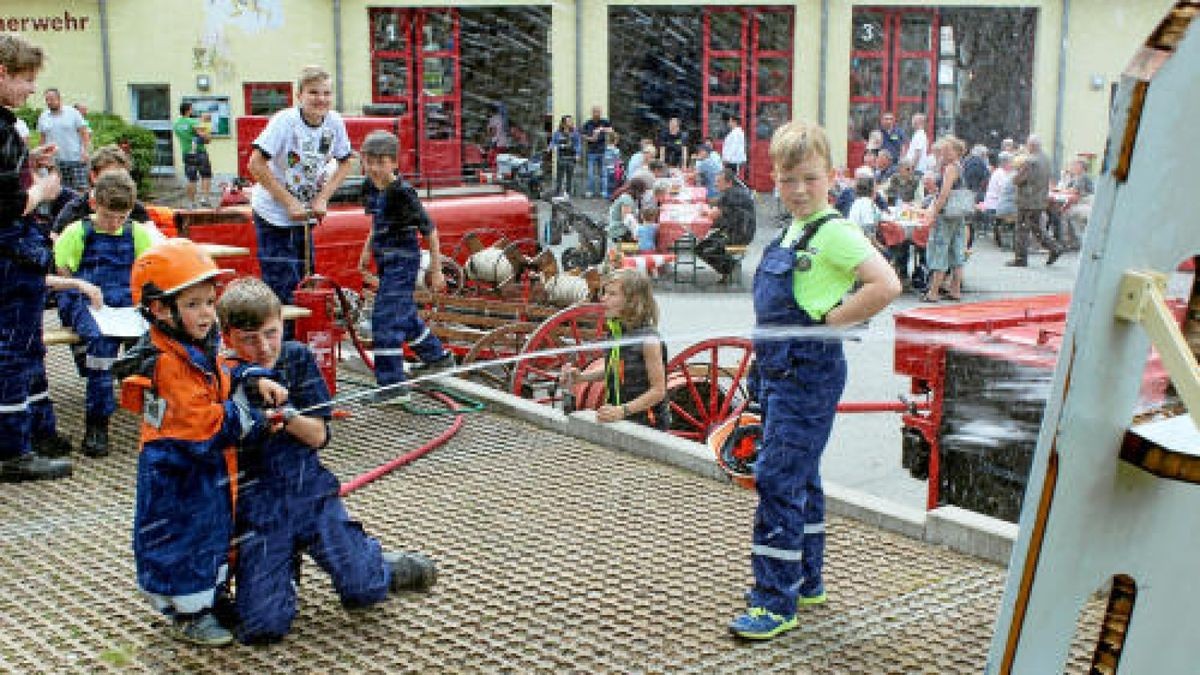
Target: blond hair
{"points": [[311, 74], [247, 304], [116, 190], [18, 55], [954, 143], [640, 310], [797, 141]]}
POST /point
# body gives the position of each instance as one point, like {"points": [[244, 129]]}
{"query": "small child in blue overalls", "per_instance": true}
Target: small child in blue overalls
{"points": [[100, 249], [800, 283]]}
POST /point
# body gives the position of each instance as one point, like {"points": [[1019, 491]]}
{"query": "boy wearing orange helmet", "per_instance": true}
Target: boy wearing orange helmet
{"points": [[187, 470]]}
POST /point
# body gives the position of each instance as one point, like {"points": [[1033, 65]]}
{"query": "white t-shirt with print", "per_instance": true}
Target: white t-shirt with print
{"points": [[297, 153]]}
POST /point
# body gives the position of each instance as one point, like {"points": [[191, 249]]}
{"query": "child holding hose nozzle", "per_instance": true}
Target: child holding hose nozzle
{"points": [[194, 414], [635, 380], [288, 502]]}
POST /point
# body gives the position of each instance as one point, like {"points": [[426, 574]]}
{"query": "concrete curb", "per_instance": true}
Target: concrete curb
{"points": [[955, 528]]}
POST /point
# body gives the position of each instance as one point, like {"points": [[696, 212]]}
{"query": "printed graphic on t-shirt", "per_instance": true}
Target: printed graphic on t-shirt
{"points": [[304, 177]]}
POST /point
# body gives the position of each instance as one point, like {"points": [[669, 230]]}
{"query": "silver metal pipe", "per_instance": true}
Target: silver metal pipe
{"points": [[823, 63], [105, 57], [337, 55], [578, 59], [1057, 159]]}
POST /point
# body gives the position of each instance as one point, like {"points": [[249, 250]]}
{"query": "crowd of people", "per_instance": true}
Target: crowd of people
{"points": [[959, 193]]}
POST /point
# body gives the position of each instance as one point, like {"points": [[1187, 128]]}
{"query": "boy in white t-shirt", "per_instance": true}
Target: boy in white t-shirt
{"points": [[287, 162]]}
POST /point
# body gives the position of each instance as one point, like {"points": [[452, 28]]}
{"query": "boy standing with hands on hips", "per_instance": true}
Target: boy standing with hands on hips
{"points": [[801, 282]]}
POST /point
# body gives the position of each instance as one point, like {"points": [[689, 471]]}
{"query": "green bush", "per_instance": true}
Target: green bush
{"points": [[108, 129]]}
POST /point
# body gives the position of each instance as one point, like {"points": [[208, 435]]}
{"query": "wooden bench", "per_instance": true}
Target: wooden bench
{"points": [[66, 336]]}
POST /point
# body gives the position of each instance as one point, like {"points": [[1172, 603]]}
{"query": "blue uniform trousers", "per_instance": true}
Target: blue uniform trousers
{"points": [[281, 257], [288, 505], [788, 549], [95, 355], [21, 353], [394, 320]]}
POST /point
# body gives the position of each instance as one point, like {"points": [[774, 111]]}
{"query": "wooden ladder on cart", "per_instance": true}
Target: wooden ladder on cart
{"points": [[1113, 503]]}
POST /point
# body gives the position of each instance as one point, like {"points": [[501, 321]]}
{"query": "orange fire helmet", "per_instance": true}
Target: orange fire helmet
{"points": [[735, 443], [168, 268]]}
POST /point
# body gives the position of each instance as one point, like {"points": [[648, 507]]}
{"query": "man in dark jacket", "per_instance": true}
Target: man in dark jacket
{"points": [[1033, 194], [733, 224]]}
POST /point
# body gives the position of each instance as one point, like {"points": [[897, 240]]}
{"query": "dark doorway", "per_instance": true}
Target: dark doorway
{"points": [[993, 62], [505, 59], [654, 65]]}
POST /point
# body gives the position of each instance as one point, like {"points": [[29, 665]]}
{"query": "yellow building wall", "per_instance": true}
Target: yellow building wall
{"points": [[1101, 39], [72, 55]]}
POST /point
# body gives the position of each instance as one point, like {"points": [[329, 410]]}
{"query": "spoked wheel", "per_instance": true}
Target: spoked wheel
{"points": [[706, 384], [486, 236], [491, 357], [564, 337]]}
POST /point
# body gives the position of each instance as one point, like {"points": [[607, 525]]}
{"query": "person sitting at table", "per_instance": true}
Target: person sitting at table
{"points": [[884, 167], [647, 231], [623, 212], [1000, 200], [864, 212], [1078, 188], [733, 224], [708, 165], [902, 188], [641, 159]]}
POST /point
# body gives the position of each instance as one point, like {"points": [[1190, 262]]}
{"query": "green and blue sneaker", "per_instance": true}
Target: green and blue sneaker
{"points": [[759, 624]]}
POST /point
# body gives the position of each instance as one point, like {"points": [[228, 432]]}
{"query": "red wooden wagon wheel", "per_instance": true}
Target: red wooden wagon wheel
{"points": [[491, 354], [564, 336], [706, 384]]}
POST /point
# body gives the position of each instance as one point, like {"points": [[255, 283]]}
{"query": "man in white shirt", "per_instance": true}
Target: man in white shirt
{"points": [[63, 127], [288, 158], [918, 145], [733, 149]]}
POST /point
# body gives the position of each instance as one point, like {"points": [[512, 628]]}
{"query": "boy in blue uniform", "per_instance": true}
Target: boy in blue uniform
{"points": [[100, 249], [397, 218], [24, 261], [194, 413], [289, 502], [800, 282]]}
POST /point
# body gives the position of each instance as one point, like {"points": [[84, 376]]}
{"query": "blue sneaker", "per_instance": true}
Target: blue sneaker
{"points": [[759, 624]]}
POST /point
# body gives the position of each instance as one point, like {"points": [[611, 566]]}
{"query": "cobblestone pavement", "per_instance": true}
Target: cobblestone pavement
{"points": [[555, 555]]}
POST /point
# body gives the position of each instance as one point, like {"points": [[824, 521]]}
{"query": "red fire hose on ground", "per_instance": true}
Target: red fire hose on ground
{"points": [[408, 457], [320, 295]]}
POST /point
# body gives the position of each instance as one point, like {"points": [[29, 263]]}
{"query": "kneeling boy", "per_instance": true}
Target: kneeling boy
{"points": [[288, 502]]}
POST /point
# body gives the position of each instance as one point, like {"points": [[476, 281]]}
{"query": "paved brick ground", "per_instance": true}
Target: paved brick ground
{"points": [[555, 555]]}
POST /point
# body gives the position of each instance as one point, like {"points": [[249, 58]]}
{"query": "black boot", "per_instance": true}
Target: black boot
{"points": [[410, 571], [53, 444], [32, 466], [95, 439]]}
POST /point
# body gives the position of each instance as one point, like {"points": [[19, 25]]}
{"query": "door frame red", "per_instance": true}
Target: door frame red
{"points": [[888, 99]]}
